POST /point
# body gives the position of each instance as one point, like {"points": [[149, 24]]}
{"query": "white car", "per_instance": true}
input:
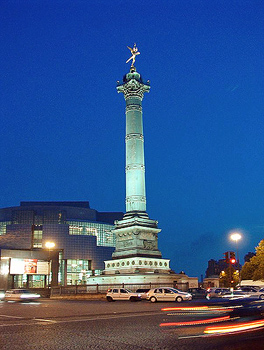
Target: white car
{"points": [[20, 295], [122, 294], [167, 294]]}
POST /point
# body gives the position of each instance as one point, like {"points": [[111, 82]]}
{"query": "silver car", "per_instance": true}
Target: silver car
{"points": [[167, 294], [235, 294], [217, 292], [252, 292], [20, 295]]}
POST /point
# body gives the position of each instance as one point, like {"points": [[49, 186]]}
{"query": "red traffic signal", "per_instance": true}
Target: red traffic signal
{"points": [[233, 261]]}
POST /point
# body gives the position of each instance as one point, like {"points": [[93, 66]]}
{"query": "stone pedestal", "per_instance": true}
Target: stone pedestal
{"points": [[136, 237], [136, 265]]}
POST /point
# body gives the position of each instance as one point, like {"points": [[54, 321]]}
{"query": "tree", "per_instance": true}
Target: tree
{"points": [[229, 277], [254, 268], [247, 271]]}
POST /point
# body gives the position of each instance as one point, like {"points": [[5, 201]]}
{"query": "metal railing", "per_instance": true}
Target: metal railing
{"points": [[102, 288]]}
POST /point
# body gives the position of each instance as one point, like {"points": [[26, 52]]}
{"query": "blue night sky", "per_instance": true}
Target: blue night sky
{"points": [[63, 123]]}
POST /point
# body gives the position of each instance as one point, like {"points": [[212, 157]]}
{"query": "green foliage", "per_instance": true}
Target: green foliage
{"points": [[229, 277], [254, 269], [247, 271]]}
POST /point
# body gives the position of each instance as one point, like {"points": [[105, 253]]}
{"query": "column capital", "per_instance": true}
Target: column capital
{"points": [[133, 86]]}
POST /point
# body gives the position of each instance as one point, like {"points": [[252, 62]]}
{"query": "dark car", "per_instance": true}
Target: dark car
{"points": [[197, 293], [143, 292]]}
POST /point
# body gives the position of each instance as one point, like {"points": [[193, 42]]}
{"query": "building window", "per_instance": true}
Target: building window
{"points": [[37, 236], [78, 271], [75, 230], [103, 232], [3, 227]]}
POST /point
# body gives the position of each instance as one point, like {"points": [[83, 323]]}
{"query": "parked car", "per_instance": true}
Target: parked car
{"points": [[197, 293], [248, 289], [143, 292], [251, 286], [217, 292], [167, 294], [235, 294], [252, 292], [20, 295], [122, 294]]}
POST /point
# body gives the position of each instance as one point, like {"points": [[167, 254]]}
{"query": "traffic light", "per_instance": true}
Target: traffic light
{"points": [[227, 257], [232, 257]]}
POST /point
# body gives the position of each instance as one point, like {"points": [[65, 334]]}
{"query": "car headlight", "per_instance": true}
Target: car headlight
{"points": [[28, 296]]}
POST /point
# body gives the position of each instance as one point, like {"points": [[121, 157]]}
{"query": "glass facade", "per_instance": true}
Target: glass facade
{"points": [[83, 237], [37, 236], [31, 281], [22, 216], [78, 271], [103, 232], [3, 227]]}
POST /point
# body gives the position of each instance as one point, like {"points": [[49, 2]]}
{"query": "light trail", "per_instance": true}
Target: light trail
{"points": [[206, 309], [235, 328], [194, 323]]}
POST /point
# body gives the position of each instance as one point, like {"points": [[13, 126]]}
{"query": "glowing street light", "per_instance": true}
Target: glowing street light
{"points": [[49, 245], [236, 236]]}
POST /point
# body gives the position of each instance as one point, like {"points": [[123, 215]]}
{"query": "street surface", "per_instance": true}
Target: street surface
{"points": [[62, 325]]}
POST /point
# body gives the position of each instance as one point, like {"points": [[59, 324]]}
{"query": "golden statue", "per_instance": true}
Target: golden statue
{"points": [[134, 52]]}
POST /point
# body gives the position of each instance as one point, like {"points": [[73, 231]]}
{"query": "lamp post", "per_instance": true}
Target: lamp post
{"points": [[49, 245], [236, 236]]}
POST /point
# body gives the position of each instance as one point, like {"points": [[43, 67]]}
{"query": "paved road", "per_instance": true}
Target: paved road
{"points": [[63, 325]]}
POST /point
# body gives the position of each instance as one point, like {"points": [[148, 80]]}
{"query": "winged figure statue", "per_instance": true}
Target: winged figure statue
{"points": [[134, 52]]}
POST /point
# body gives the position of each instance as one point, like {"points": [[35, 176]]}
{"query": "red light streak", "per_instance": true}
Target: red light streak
{"points": [[194, 323], [184, 308], [198, 308], [235, 328]]}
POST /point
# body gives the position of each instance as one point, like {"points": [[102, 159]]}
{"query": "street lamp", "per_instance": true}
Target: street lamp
{"points": [[49, 245], [236, 236]]}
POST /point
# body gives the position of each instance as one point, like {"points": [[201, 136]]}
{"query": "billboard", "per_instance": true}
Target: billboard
{"points": [[28, 267]]}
